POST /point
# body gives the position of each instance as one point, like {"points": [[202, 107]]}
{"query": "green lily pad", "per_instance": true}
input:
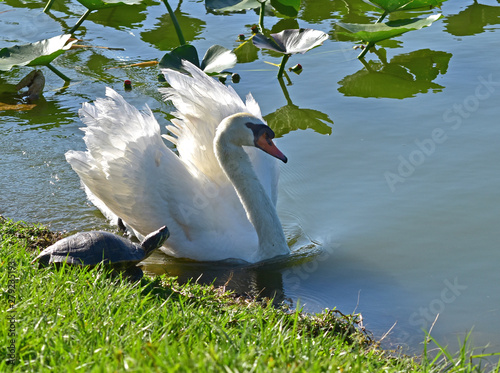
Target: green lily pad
{"points": [[289, 8], [99, 4], [34, 54], [173, 59], [216, 59], [291, 41], [246, 52], [232, 5], [393, 5], [381, 31]]}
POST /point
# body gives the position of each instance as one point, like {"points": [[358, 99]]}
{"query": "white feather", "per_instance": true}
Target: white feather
{"points": [[129, 172]]}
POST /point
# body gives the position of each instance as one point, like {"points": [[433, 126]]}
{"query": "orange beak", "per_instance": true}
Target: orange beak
{"points": [[266, 144]]}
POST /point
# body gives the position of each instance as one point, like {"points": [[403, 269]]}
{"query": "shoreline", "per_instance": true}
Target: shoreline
{"points": [[86, 319]]}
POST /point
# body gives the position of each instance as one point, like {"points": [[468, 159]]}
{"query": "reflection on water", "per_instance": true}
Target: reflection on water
{"points": [[21, 111], [473, 19], [353, 11], [291, 118], [404, 76], [163, 35], [262, 280], [122, 17]]}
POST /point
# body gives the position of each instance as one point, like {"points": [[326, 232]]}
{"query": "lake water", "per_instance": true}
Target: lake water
{"points": [[393, 209]]}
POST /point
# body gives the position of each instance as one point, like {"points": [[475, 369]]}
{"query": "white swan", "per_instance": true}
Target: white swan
{"points": [[217, 196]]}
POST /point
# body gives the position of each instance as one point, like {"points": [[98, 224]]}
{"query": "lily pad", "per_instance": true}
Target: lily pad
{"points": [[289, 8], [173, 59], [381, 31], [393, 5], [246, 52], [291, 41], [99, 4], [232, 5], [216, 59], [34, 54]]}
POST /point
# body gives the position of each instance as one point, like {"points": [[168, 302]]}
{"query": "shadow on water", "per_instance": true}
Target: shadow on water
{"points": [[262, 280], [313, 278]]}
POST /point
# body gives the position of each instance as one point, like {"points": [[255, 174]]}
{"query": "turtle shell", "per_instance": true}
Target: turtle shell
{"points": [[92, 248]]}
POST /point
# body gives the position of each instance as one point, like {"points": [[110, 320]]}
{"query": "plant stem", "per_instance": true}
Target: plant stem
{"points": [[382, 16], [365, 51], [261, 16], [371, 44], [285, 91], [48, 6], [80, 21], [58, 73], [177, 27], [366, 65], [282, 65]]}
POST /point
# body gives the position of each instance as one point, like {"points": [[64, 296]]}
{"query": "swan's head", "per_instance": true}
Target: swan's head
{"points": [[246, 130]]}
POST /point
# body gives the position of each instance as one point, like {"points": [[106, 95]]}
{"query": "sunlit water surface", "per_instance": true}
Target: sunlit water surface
{"points": [[393, 210]]}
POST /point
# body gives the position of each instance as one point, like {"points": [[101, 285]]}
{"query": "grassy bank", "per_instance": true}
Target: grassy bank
{"points": [[74, 320]]}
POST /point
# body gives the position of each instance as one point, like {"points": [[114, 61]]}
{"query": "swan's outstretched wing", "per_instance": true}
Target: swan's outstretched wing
{"points": [[131, 172], [201, 103]]}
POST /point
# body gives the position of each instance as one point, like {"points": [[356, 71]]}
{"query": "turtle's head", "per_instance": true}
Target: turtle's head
{"points": [[155, 239]]}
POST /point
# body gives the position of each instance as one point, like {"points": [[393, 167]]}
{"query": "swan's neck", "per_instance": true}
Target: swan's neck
{"points": [[260, 210]]}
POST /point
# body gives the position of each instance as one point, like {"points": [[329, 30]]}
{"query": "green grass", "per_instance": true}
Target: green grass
{"points": [[76, 320]]}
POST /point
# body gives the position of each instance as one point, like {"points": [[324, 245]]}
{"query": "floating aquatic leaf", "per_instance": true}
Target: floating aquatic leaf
{"points": [[173, 59], [216, 59], [232, 5], [415, 4], [380, 31], [100, 4], [393, 5], [34, 54], [246, 52], [288, 8], [291, 41]]}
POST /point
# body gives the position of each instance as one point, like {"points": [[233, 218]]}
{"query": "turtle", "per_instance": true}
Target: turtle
{"points": [[89, 249]]}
